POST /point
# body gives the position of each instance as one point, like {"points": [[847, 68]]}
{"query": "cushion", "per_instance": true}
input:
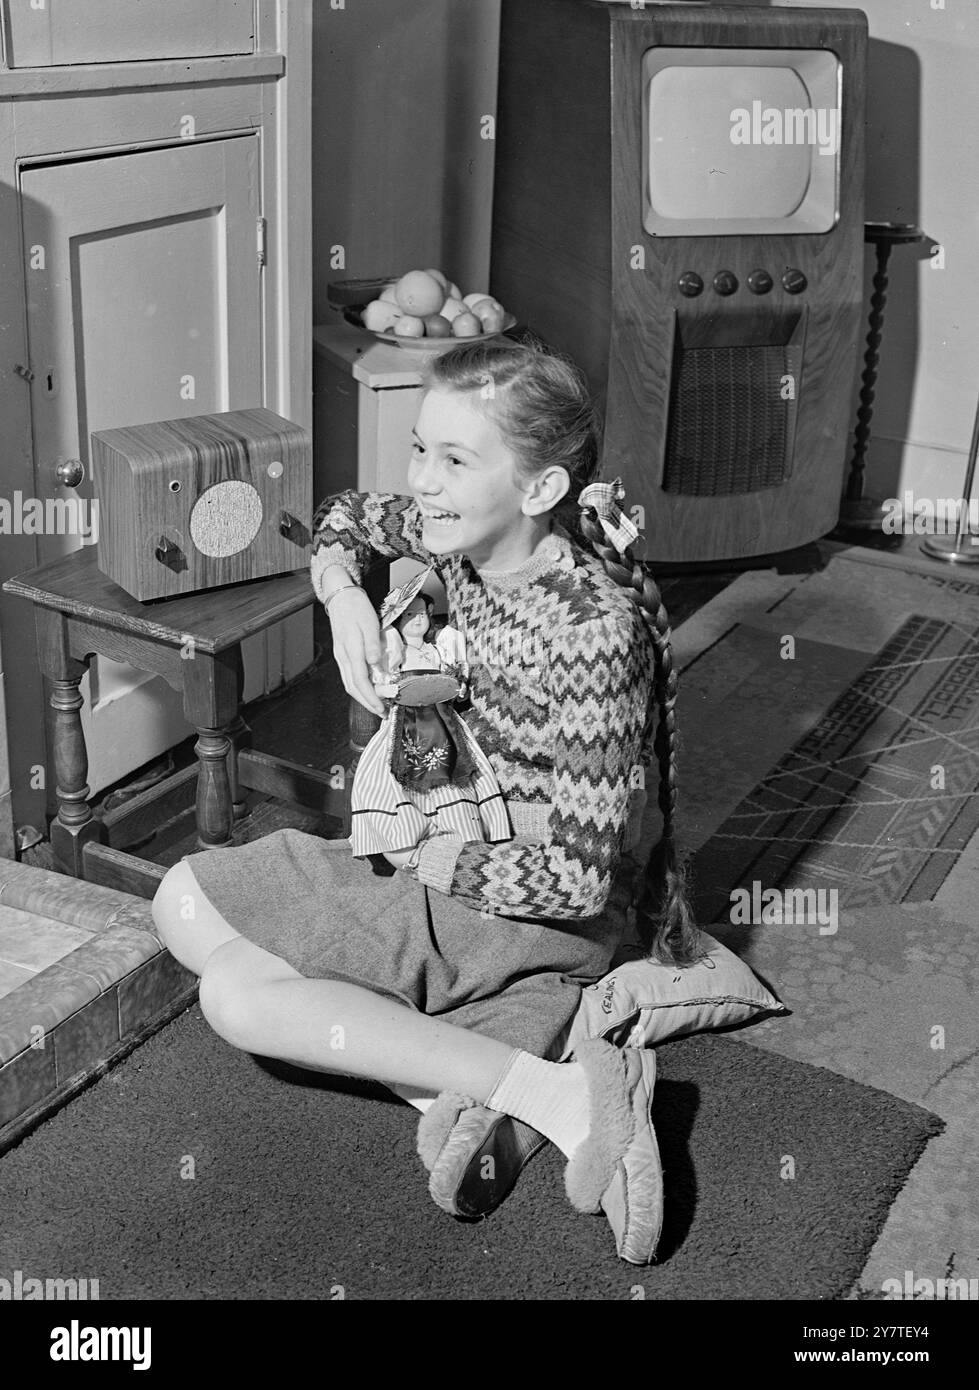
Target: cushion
{"points": [[643, 1002]]}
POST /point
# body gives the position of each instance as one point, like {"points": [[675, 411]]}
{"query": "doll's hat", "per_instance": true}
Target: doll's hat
{"points": [[398, 599]]}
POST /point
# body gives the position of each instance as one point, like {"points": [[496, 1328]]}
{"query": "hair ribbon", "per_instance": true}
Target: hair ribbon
{"points": [[605, 498]]}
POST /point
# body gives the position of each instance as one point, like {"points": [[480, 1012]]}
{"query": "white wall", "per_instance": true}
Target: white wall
{"points": [[401, 176], [923, 167]]}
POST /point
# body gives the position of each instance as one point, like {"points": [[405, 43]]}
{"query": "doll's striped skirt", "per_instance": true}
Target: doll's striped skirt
{"points": [[385, 815]]}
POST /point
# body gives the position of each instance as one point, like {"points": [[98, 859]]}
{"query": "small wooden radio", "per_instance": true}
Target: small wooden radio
{"points": [[211, 499]]}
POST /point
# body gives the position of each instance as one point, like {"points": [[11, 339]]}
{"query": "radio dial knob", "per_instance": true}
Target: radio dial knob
{"points": [[794, 282], [690, 284], [725, 282], [760, 282]]}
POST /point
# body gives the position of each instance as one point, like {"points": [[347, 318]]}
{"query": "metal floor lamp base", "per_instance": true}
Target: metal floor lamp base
{"points": [[958, 550]]}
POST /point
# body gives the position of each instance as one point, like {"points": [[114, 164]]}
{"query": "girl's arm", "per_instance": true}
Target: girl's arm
{"points": [[351, 528], [598, 681]]}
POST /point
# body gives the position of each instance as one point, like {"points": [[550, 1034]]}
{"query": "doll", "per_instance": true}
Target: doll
{"points": [[423, 773]]}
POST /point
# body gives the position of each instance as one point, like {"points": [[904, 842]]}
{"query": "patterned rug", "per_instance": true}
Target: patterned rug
{"points": [[881, 795], [830, 725], [817, 772]]}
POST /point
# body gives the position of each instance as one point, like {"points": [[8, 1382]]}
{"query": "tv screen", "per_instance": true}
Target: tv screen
{"points": [[740, 141]]}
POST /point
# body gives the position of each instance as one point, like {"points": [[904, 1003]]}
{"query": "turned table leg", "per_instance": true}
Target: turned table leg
{"points": [[211, 686], [240, 736], [75, 825], [215, 815]]}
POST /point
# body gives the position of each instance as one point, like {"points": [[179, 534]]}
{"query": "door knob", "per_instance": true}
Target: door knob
{"points": [[70, 473]]}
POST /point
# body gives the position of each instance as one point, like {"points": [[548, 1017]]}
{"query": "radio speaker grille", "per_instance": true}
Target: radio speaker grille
{"points": [[732, 419]]}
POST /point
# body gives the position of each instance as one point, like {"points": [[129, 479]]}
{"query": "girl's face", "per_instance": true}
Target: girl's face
{"points": [[414, 620], [461, 465]]}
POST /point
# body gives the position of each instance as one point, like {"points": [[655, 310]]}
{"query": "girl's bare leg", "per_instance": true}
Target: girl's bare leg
{"points": [[413, 1095], [259, 1003]]}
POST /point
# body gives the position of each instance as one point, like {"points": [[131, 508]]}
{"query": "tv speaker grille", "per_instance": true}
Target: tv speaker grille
{"points": [[732, 419]]}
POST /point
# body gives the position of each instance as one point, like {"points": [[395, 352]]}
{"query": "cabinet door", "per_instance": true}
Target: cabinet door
{"points": [[42, 33], [144, 299]]}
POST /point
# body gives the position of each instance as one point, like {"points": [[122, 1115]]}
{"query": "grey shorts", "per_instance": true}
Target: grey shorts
{"points": [[331, 916]]}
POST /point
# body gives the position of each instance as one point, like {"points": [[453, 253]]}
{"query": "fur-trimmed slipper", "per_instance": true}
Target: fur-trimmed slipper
{"points": [[617, 1169], [474, 1155]]}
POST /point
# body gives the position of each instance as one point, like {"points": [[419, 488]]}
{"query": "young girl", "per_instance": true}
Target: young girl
{"points": [[458, 975]]}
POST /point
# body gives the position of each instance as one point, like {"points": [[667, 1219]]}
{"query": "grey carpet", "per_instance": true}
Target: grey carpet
{"points": [[303, 1183]]}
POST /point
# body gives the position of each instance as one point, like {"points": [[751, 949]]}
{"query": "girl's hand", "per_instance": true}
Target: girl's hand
{"points": [[357, 645]]}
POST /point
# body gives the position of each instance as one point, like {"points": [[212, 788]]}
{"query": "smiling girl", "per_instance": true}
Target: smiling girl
{"points": [[458, 976]]}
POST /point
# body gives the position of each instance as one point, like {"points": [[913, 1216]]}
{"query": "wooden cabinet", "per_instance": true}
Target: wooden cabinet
{"points": [[154, 263]]}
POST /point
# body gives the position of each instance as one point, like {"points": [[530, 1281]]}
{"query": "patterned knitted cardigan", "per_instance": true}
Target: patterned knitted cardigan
{"points": [[561, 663]]}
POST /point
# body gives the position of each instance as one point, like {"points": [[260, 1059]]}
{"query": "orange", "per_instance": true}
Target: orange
{"points": [[419, 293]]}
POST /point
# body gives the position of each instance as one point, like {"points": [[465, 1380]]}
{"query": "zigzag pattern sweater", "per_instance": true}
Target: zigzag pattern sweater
{"points": [[561, 663]]}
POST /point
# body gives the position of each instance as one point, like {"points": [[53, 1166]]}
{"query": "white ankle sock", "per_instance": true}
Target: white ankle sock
{"points": [[551, 1096]]}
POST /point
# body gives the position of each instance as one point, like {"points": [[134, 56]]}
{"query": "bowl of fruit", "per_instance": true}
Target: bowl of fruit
{"points": [[425, 311]]}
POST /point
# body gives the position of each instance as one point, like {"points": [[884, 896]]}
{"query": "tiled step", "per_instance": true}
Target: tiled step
{"points": [[83, 979]]}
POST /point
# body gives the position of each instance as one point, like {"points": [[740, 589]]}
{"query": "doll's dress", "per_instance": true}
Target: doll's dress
{"points": [[423, 773]]}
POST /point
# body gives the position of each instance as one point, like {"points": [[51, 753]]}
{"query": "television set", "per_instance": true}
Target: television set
{"points": [[678, 205]]}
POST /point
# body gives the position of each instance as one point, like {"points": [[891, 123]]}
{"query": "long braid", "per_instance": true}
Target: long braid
{"points": [[540, 401], [665, 921]]}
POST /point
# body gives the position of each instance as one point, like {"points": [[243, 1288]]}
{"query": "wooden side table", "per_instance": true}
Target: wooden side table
{"points": [[194, 643]]}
